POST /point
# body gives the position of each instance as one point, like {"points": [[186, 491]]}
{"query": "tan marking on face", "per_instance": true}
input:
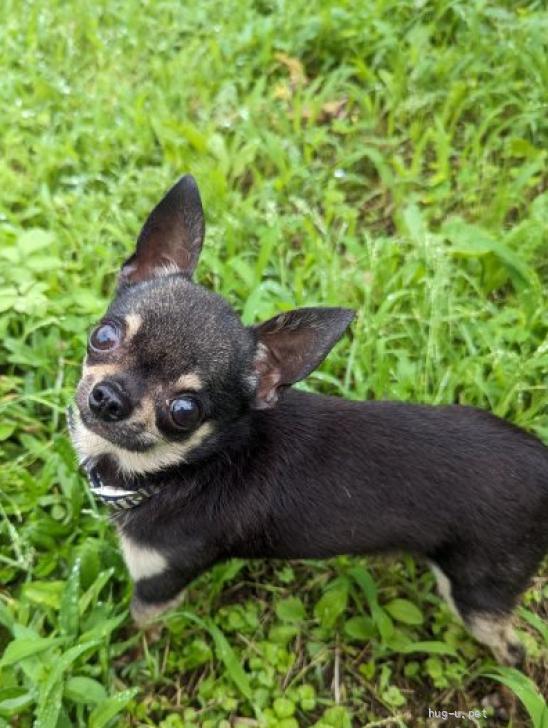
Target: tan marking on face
{"points": [[89, 444], [133, 324], [190, 382], [97, 372], [148, 409], [145, 414]]}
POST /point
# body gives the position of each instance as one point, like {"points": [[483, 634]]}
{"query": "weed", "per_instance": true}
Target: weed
{"points": [[389, 156]]}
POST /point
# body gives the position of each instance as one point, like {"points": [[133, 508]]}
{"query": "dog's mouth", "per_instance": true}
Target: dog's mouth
{"points": [[107, 485], [126, 436]]}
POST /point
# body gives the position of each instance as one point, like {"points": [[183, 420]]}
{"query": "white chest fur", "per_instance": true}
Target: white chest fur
{"points": [[142, 562]]}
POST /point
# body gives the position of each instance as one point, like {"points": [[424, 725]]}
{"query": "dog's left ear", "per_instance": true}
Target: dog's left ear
{"points": [[171, 238], [291, 345]]}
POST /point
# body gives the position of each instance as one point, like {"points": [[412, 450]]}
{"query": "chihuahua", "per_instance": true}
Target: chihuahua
{"points": [[186, 424]]}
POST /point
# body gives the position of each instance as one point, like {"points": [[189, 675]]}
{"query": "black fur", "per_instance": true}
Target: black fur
{"points": [[285, 474], [318, 476]]}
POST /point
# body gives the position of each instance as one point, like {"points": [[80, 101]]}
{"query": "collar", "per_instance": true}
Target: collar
{"points": [[102, 479]]}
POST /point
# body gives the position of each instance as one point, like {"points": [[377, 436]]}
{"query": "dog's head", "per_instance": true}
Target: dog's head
{"points": [[170, 370]]}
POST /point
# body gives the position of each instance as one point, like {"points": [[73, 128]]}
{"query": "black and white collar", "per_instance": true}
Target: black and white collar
{"points": [[108, 487]]}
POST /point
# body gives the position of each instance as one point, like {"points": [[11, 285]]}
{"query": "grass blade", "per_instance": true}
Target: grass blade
{"points": [[526, 691], [226, 654]]}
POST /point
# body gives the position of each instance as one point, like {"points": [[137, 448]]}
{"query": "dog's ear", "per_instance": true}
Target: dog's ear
{"points": [[171, 238], [291, 345]]}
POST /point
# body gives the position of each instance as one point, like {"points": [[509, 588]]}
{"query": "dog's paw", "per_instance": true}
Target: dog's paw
{"points": [[144, 613], [513, 653]]}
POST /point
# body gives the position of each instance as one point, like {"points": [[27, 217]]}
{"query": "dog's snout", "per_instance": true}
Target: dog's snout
{"points": [[109, 402]]}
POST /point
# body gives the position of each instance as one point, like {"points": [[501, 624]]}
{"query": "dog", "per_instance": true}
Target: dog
{"points": [[185, 422]]}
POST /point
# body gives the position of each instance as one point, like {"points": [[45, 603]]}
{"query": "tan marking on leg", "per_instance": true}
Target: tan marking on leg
{"points": [[444, 588], [498, 634], [190, 382], [133, 324], [142, 562], [144, 613]]}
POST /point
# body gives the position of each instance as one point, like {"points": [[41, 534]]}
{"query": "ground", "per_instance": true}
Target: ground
{"points": [[389, 156]]}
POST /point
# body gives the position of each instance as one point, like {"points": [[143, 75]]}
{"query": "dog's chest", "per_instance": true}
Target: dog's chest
{"points": [[142, 562]]}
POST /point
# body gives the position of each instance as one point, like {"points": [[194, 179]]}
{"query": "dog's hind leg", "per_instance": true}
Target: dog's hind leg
{"points": [[495, 630], [444, 588], [485, 608]]}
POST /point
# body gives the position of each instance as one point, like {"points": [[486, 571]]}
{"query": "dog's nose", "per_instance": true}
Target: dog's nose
{"points": [[109, 402]]}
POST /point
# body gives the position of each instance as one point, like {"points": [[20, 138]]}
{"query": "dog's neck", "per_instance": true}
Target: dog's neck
{"points": [[118, 491]]}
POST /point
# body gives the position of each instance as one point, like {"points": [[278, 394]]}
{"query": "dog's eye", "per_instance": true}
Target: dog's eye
{"points": [[185, 412], [105, 337]]}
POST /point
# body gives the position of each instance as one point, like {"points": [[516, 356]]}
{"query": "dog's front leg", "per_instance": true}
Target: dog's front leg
{"points": [[159, 575], [154, 595]]}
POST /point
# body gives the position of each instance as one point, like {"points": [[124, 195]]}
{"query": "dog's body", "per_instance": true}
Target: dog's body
{"points": [[179, 401]]}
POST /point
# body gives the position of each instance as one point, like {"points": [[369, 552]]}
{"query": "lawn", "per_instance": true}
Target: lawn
{"points": [[389, 156]]}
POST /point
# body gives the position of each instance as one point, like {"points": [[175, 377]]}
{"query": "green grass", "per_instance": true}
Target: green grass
{"points": [[387, 155]]}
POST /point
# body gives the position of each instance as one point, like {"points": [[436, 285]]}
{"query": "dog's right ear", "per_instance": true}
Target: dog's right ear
{"points": [[171, 238]]}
